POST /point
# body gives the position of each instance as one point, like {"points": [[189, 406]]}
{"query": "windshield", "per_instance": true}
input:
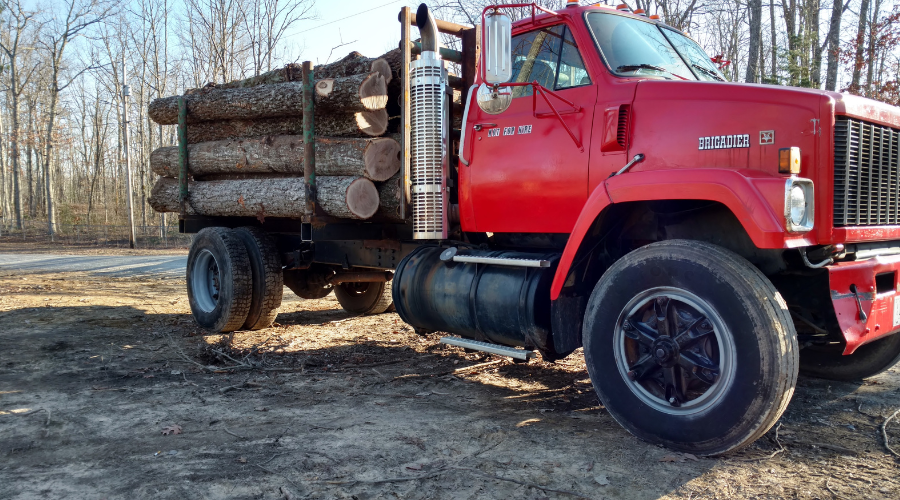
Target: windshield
{"points": [[695, 56], [634, 47]]}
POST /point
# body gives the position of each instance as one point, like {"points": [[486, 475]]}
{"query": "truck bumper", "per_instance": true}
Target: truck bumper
{"points": [[879, 303]]}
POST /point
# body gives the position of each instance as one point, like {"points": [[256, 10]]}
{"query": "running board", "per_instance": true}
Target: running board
{"points": [[475, 345]]}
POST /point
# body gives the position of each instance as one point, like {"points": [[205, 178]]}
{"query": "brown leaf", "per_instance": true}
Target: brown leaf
{"points": [[241, 201], [172, 429]]}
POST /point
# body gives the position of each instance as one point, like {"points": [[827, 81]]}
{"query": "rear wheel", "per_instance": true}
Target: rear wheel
{"points": [[690, 346], [364, 298], [829, 362], [219, 282], [268, 285]]}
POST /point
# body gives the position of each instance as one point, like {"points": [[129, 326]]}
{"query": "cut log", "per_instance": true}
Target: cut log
{"points": [[376, 159], [355, 63], [235, 198], [389, 198], [342, 95], [353, 93], [371, 123], [347, 197], [264, 101]]}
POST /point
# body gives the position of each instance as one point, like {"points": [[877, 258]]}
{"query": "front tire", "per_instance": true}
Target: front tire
{"points": [[690, 346], [829, 362], [364, 298], [219, 282]]}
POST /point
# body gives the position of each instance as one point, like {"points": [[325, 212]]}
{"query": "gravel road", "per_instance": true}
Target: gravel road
{"points": [[167, 266]]}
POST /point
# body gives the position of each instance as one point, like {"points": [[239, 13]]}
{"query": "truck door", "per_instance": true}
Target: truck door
{"points": [[525, 173]]}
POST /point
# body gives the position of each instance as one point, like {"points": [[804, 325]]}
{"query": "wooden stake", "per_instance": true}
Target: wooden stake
{"points": [[309, 137]]}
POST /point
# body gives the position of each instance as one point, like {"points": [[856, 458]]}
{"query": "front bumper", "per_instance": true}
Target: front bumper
{"points": [[880, 307]]}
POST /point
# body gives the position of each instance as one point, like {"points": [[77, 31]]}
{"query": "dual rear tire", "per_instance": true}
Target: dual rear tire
{"points": [[234, 279]]}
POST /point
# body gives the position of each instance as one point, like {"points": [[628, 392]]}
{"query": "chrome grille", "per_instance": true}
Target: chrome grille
{"points": [[866, 177], [428, 165]]}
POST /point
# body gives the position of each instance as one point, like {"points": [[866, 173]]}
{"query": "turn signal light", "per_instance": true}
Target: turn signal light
{"points": [[789, 160]]}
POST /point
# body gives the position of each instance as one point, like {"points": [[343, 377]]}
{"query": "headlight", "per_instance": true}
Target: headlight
{"points": [[798, 205]]}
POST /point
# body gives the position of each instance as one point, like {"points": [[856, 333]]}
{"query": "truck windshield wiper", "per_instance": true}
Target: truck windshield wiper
{"points": [[708, 72], [635, 67]]}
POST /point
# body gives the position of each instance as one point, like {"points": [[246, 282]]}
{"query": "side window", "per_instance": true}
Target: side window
{"points": [[548, 56], [571, 66]]}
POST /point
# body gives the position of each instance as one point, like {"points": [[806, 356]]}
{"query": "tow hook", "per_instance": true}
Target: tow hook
{"points": [[862, 315]]}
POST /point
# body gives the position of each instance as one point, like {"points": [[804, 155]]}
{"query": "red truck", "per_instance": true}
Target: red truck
{"points": [[606, 188]]}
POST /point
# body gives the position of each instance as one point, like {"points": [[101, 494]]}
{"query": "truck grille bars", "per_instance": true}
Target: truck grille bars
{"points": [[866, 174], [428, 169]]}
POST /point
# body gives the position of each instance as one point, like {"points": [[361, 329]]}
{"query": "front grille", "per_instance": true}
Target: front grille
{"points": [[866, 177]]}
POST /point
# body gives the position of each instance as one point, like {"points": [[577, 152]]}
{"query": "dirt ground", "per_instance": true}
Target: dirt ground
{"points": [[109, 390]]}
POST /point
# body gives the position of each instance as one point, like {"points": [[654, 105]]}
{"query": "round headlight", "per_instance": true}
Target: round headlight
{"points": [[798, 205]]}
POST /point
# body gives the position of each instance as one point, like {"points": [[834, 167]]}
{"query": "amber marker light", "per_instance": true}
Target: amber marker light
{"points": [[572, 3], [789, 160], [654, 17]]}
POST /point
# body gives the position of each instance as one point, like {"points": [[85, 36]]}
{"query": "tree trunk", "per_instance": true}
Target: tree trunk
{"points": [[350, 94], [376, 159], [347, 197], [234, 198], [858, 61], [371, 123], [773, 33], [834, 46], [816, 66], [389, 198], [872, 58], [755, 7]]}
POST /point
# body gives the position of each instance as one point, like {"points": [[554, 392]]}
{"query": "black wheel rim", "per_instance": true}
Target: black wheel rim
{"points": [[674, 351]]}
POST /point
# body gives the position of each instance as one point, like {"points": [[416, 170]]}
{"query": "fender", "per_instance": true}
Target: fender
{"points": [[754, 197]]}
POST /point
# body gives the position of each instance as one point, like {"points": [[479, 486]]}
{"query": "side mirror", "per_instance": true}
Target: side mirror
{"points": [[497, 31]]}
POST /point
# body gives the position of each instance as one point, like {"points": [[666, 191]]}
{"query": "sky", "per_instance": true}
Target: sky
{"points": [[366, 26]]}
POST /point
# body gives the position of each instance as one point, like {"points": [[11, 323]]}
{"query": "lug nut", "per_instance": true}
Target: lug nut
{"points": [[632, 375]]}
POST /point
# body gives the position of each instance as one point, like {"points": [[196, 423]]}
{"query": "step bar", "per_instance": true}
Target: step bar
{"points": [[450, 254], [512, 352]]}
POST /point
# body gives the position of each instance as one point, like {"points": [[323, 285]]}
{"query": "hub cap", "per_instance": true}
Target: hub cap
{"points": [[674, 351], [205, 281]]}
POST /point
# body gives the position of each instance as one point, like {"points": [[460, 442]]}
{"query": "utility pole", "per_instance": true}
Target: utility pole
{"points": [[125, 142]]}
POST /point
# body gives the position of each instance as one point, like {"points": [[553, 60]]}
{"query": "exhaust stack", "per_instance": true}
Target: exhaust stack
{"points": [[429, 134]]}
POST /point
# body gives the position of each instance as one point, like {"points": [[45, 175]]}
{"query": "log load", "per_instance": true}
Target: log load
{"points": [[346, 95], [347, 197], [376, 159], [370, 123], [259, 198]]}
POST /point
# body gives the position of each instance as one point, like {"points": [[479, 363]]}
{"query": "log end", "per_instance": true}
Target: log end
{"points": [[372, 123], [362, 198], [383, 68], [382, 158]]}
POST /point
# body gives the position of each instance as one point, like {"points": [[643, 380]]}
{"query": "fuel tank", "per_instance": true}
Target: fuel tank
{"points": [[501, 304]]}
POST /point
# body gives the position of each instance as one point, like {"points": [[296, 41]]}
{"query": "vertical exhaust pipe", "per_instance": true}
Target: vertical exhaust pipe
{"points": [[429, 134]]}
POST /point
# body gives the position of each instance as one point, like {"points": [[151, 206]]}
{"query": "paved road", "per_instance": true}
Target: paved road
{"points": [[169, 266]]}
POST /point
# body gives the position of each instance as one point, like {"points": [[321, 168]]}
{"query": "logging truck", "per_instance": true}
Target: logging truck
{"points": [[581, 178]]}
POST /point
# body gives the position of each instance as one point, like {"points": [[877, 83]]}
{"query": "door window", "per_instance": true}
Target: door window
{"points": [[548, 56]]}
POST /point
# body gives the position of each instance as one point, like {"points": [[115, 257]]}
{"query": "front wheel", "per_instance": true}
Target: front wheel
{"points": [[690, 346]]}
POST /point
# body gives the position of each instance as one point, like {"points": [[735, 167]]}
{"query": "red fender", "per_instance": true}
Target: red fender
{"points": [[754, 197]]}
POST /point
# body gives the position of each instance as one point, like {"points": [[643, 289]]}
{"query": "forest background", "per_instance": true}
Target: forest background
{"points": [[65, 64]]}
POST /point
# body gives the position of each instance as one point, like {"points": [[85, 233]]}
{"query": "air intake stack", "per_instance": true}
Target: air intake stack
{"points": [[429, 133]]}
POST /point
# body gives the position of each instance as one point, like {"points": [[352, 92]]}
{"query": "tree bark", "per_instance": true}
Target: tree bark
{"points": [[371, 123], [834, 45], [755, 7], [347, 197], [289, 73], [376, 159], [389, 198], [234, 198], [355, 63]]}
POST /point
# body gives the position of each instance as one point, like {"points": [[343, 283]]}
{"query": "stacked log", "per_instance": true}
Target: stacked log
{"points": [[246, 152]]}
